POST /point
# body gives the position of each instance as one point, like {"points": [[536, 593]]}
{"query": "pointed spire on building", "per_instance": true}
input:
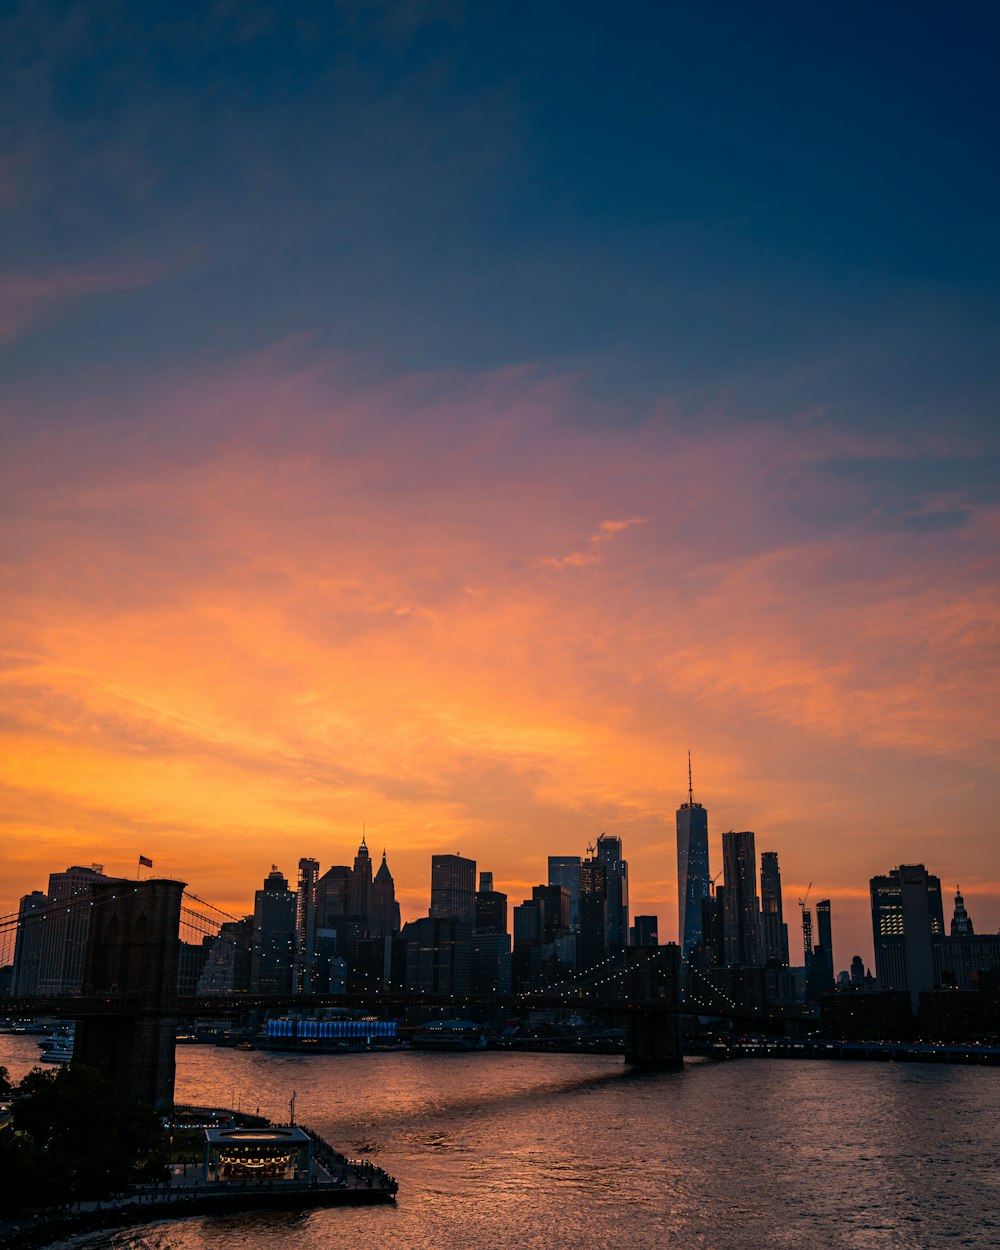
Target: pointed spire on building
{"points": [[690, 783], [961, 921]]}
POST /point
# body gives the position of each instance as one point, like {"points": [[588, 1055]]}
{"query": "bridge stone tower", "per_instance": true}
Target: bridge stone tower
{"points": [[652, 1028], [132, 954]]}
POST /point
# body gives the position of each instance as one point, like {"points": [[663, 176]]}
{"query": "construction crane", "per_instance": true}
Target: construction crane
{"points": [[807, 927]]}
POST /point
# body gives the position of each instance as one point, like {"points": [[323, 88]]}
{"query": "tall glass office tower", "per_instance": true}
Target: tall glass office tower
{"points": [[692, 869]]}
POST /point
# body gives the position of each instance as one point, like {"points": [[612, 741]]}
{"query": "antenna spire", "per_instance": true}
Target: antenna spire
{"points": [[690, 784]]}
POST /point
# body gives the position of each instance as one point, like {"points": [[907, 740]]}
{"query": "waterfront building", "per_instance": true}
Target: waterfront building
{"points": [[693, 878], [774, 931], [592, 943], [273, 936], [385, 909], [564, 870], [609, 853], [438, 955], [908, 930], [64, 939], [361, 886], [305, 924], [645, 931], [453, 888], [31, 920], [741, 912]]}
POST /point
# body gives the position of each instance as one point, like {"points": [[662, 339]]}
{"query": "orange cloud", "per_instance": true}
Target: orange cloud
{"points": [[282, 606]]}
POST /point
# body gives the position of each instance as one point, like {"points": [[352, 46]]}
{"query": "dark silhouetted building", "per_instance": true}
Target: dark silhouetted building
{"points": [[31, 921], [741, 913], [491, 907], [555, 903], [908, 930], [453, 888], [592, 943], [64, 941], [361, 886], [385, 909], [227, 967], [305, 924], [692, 870], [961, 921], [609, 853], [273, 960], [491, 962], [438, 955], [333, 895], [774, 931], [564, 870], [645, 931]]}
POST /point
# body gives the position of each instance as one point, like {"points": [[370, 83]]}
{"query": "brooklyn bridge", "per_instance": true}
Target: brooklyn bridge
{"points": [[128, 1008]]}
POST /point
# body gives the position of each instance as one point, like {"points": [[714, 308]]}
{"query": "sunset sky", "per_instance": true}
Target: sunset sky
{"points": [[439, 417]]}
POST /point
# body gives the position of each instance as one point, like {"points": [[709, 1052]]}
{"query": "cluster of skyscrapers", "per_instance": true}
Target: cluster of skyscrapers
{"points": [[341, 929], [734, 941]]}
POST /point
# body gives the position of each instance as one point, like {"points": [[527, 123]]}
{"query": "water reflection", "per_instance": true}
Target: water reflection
{"points": [[506, 1151]]}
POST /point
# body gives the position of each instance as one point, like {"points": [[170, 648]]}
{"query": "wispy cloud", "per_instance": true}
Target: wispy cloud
{"points": [[25, 298], [593, 552]]}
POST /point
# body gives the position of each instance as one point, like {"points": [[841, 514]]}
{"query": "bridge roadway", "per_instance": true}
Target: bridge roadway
{"points": [[88, 1006]]}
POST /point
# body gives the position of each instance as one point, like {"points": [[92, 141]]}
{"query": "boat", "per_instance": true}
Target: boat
{"points": [[58, 1046]]}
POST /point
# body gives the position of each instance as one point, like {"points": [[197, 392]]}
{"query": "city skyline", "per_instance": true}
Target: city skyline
{"points": [[441, 421]]}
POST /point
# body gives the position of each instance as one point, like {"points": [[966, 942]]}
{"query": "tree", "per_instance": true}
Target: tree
{"points": [[73, 1137]]}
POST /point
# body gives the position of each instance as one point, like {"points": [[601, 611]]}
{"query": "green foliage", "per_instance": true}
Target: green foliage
{"points": [[4, 1082], [73, 1138]]}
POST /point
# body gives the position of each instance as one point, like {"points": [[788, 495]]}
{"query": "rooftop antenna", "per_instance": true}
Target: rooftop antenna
{"points": [[690, 784]]}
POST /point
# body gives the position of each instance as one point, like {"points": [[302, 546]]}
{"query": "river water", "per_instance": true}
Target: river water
{"points": [[499, 1151]]}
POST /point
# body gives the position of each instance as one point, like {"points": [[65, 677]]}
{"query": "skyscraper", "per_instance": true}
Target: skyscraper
{"points": [[609, 853], [824, 931], [385, 909], [692, 869], [774, 930], [305, 924], [453, 888], [31, 918], [64, 942], [592, 946], [908, 930], [361, 885], [273, 935], [564, 870], [741, 909]]}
